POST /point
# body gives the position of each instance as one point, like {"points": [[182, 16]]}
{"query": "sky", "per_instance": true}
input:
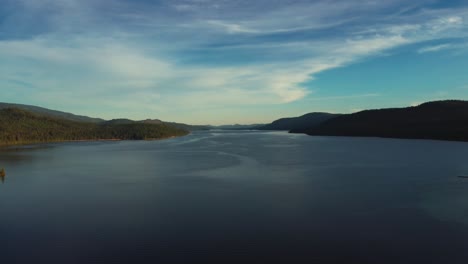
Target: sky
{"points": [[231, 61]]}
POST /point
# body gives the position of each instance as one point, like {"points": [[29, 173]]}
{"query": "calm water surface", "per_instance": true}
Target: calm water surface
{"points": [[236, 197]]}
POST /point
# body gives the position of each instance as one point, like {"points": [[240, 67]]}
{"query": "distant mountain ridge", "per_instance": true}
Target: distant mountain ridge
{"points": [[444, 120], [118, 121], [81, 118], [52, 113], [19, 126], [302, 122], [237, 127], [124, 121]]}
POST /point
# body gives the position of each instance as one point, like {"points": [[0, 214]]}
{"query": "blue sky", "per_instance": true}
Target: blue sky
{"points": [[219, 62]]}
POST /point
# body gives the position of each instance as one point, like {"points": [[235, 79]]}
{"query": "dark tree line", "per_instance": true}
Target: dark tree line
{"points": [[446, 120], [19, 127]]}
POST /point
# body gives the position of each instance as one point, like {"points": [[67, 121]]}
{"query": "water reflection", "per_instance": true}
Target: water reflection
{"points": [[21, 156], [236, 198], [2, 175]]}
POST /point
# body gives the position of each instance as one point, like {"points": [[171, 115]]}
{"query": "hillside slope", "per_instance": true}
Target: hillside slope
{"points": [[79, 118], [446, 120], [18, 126], [52, 113], [302, 122]]}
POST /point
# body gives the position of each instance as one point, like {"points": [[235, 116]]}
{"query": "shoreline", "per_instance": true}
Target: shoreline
{"points": [[4, 146]]}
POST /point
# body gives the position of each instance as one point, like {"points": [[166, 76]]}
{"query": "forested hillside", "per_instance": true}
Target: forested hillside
{"points": [[302, 122], [446, 120], [52, 113], [19, 126]]}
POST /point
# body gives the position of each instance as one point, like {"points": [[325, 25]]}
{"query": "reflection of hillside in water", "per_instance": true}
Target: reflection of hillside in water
{"points": [[15, 158], [21, 154], [2, 175]]}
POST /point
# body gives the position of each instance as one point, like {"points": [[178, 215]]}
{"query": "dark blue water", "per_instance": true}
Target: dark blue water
{"points": [[236, 197]]}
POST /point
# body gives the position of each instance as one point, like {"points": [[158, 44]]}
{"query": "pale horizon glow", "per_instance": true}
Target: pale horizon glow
{"points": [[226, 62]]}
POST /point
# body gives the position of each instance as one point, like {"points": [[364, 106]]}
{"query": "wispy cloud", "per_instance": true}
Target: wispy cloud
{"points": [[191, 54], [231, 27], [341, 97], [435, 48], [456, 47]]}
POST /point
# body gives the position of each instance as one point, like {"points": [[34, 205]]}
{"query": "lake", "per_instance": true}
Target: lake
{"points": [[236, 197]]}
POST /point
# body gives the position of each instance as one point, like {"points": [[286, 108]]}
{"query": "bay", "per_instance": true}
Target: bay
{"points": [[236, 197]]}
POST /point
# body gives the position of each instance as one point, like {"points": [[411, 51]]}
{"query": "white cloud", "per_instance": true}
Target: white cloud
{"points": [[145, 66], [435, 48], [341, 97], [371, 45], [231, 28], [104, 56], [446, 23], [416, 103], [116, 64]]}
